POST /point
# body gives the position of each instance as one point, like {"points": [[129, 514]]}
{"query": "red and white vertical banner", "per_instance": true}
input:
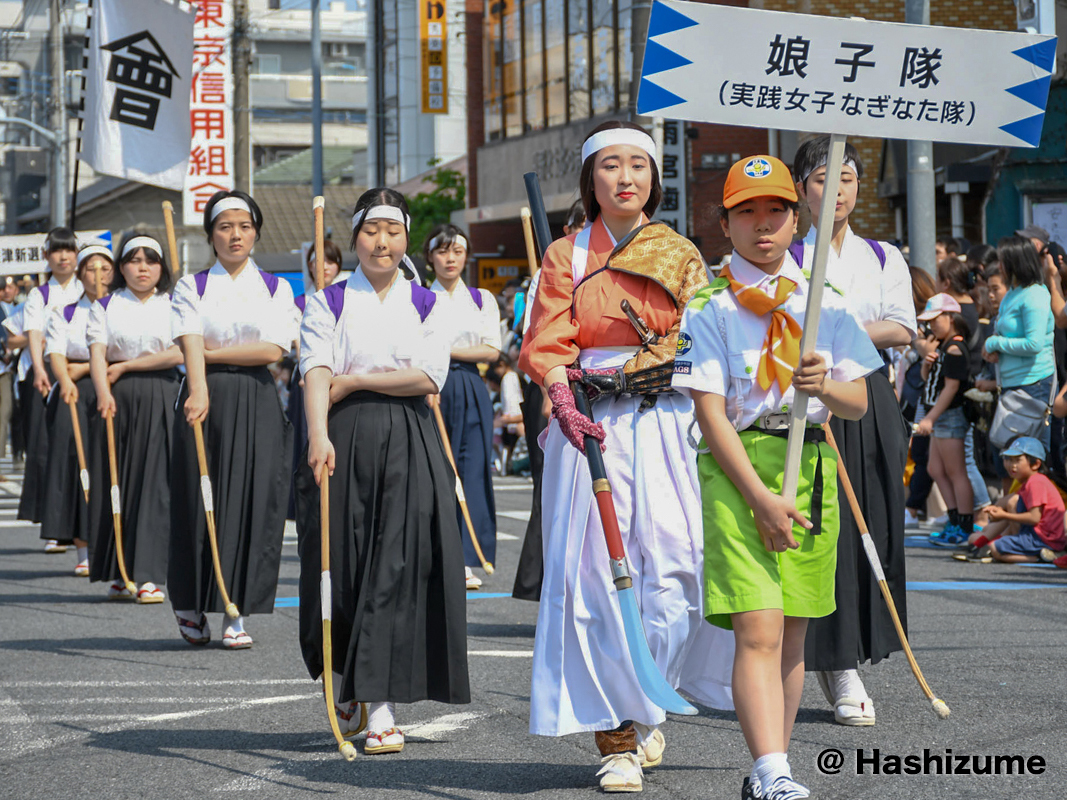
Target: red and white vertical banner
{"points": [[210, 108]]}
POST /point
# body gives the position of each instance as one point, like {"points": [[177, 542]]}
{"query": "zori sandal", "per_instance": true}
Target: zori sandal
{"points": [[197, 633], [118, 591], [236, 640], [149, 593], [390, 741]]}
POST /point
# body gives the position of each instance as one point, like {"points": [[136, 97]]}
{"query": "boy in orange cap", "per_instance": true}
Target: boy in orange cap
{"points": [[768, 563]]}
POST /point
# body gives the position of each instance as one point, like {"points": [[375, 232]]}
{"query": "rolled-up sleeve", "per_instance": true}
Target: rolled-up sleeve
{"points": [[854, 354], [434, 354], [56, 334], [281, 329], [317, 335], [897, 303], [489, 323], [551, 341], [185, 309], [33, 316], [96, 328], [701, 362]]}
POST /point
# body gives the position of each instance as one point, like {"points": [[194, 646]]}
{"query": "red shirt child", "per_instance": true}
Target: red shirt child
{"points": [[1040, 491]]}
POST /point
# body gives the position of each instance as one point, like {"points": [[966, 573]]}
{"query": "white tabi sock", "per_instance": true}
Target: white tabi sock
{"points": [[380, 717], [847, 683], [83, 554], [188, 616], [769, 767], [235, 626]]}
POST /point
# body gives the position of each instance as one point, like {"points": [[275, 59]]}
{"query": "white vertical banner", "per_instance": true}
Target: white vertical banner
{"points": [[210, 109], [136, 117], [673, 208]]}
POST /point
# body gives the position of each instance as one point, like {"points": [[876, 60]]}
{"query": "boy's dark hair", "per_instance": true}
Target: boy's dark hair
{"points": [[118, 280], [813, 154], [724, 212], [1020, 262], [209, 223], [381, 196], [951, 245], [585, 180], [60, 239]]}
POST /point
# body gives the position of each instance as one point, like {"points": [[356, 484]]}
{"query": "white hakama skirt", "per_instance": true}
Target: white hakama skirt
{"points": [[583, 677]]}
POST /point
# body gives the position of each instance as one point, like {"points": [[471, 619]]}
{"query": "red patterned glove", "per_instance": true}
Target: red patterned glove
{"points": [[574, 424]]}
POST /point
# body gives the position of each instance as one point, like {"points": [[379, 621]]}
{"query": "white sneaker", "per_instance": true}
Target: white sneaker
{"points": [[621, 773], [910, 520], [473, 581]]}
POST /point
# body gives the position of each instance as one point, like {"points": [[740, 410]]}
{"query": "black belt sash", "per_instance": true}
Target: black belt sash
{"points": [[817, 436]]}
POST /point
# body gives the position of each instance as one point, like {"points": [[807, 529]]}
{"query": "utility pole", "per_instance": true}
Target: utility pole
{"points": [[316, 100], [242, 101], [59, 118], [922, 222]]}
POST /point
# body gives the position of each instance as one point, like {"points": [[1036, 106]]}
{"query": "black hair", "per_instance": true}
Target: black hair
{"points": [[814, 153], [118, 280], [209, 223], [1019, 260], [951, 245], [960, 325], [81, 263], [381, 196], [330, 252], [60, 239], [448, 233], [585, 180], [724, 212], [959, 276], [576, 215]]}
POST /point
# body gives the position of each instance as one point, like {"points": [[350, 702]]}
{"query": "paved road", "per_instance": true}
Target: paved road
{"points": [[103, 700]]}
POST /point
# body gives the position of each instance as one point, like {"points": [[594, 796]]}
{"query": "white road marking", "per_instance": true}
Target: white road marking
{"points": [[506, 537], [63, 685], [502, 653], [326, 749], [524, 516], [511, 487], [18, 523]]}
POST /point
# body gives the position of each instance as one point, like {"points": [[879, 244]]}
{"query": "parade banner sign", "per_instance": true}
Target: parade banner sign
{"points": [[24, 254], [770, 69], [433, 41], [674, 210], [210, 152], [136, 115]]}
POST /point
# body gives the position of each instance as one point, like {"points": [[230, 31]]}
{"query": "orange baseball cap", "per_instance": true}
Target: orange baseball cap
{"points": [[758, 176]]}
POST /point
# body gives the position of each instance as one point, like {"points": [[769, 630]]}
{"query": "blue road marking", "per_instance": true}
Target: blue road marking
{"points": [[294, 602], [943, 586]]}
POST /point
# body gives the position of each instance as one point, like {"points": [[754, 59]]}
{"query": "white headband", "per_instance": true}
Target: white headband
{"points": [[230, 204], [848, 162], [436, 241], [147, 242], [612, 136], [381, 212], [94, 250]]}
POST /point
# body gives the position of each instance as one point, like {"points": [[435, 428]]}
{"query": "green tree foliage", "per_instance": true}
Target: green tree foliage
{"points": [[434, 207]]}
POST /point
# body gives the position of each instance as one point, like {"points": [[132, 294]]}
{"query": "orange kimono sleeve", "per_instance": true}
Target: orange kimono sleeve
{"points": [[551, 340]]}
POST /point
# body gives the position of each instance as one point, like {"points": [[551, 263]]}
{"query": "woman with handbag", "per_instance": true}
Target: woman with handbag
{"points": [[1021, 346]]}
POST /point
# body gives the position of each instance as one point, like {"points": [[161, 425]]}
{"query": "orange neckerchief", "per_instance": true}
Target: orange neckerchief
{"points": [[780, 354]]}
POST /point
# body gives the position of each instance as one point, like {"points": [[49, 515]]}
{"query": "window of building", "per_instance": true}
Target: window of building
{"points": [[550, 62], [266, 64]]}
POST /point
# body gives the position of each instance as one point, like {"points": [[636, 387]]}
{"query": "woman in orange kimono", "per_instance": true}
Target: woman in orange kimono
{"points": [[583, 679]]}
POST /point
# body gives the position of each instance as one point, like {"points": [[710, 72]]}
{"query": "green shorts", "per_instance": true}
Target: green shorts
{"points": [[740, 574]]}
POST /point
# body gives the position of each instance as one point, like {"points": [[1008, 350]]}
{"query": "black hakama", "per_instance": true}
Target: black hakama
{"points": [[144, 423], [531, 568], [399, 605], [35, 423], [295, 413], [65, 515], [248, 443], [874, 449], [468, 414]]}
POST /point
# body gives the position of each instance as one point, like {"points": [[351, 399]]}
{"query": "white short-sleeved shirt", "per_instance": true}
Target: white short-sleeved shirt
{"points": [[13, 322], [68, 338], [35, 309], [719, 345], [874, 293], [128, 327], [373, 335], [235, 311], [468, 325], [510, 397]]}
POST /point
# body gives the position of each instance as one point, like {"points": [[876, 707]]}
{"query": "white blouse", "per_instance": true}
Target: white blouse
{"points": [[874, 293], [35, 310], [69, 338], [234, 310], [373, 335], [128, 327], [13, 323], [467, 325]]}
